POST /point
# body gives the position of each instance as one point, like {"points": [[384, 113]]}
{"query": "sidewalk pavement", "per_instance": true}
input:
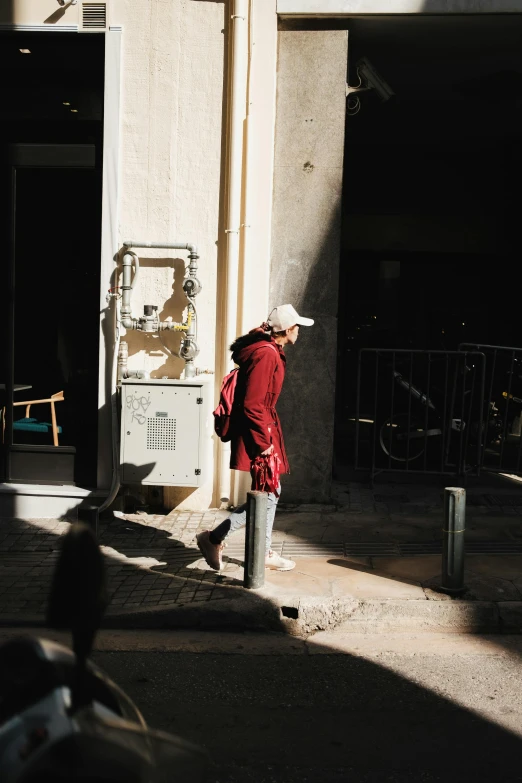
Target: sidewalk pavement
{"points": [[370, 562]]}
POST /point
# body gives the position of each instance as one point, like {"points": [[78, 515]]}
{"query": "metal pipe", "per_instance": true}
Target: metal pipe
{"points": [[123, 356], [123, 370], [136, 268], [163, 246], [115, 485], [255, 541], [238, 67], [189, 347], [174, 327], [453, 541], [126, 287]]}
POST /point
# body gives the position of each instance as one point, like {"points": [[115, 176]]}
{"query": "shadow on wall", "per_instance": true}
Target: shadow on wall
{"points": [[8, 12], [308, 173], [55, 17], [307, 403], [173, 308]]}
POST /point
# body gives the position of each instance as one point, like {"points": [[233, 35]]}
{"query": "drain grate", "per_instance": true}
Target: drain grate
{"points": [[309, 549], [493, 548], [372, 549], [472, 548], [503, 500], [181, 556]]}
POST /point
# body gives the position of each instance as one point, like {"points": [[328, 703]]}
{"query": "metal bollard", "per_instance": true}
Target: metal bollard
{"points": [[89, 515], [453, 541], [255, 542]]}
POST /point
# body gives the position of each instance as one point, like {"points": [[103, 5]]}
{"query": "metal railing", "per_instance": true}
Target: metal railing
{"points": [[502, 441], [419, 411]]}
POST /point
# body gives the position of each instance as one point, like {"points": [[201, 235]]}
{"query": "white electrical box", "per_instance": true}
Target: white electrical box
{"points": [[166, 432]]}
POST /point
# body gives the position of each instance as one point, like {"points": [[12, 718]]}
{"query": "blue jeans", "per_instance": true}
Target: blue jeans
{"points": [[237, 520]]}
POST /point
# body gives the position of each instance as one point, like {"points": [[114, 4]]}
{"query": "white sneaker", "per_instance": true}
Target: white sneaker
{"points": [[277, 563]]}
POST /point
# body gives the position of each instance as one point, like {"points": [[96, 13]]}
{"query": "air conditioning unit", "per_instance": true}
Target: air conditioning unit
{"points": [[166, 431]]}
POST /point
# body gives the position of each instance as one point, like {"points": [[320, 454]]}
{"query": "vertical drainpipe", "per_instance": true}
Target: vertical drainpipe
{"points": [[234, 175]]}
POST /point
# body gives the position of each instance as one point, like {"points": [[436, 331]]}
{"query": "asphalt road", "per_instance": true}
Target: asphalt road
{"points": [[353, 708]]}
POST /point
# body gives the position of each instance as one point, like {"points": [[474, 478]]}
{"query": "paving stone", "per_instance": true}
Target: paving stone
{"points": [[135, 545]]}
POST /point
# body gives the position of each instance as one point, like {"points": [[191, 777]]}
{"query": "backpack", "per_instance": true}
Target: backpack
{"points": [[224, 408], [223, 411]]}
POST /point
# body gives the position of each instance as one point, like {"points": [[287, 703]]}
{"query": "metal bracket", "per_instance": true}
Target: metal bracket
{"points": [[352, 90], [199, 401]]}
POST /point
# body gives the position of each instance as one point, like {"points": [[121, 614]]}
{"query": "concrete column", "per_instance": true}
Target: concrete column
{"points": [[308, 175]]}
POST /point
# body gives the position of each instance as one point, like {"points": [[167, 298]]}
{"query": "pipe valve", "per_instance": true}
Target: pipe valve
{"points": [[189, 349], [148, 322], [191, 286]]}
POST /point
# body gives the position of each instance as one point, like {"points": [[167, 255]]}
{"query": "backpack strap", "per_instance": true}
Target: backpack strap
{"points": [[271, 345]]}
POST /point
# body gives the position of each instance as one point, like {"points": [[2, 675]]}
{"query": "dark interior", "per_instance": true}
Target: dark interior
{"points": [[430, 204], [54, 95]]}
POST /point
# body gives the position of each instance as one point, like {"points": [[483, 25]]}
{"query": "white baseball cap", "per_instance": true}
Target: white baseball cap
{"points": [[285, 316]]}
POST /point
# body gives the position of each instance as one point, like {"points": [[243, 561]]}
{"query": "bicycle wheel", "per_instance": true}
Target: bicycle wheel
{"points": [[394, 436]]}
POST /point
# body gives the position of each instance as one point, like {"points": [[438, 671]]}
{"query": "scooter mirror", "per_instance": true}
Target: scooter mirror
{"points": [[78, 595]]}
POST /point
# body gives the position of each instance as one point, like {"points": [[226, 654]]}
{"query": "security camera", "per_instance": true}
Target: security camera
{"points": [[370, 80], [374, 80]]}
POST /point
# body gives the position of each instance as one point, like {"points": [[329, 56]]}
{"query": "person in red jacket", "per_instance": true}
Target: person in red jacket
{"points": [[256, 429]]}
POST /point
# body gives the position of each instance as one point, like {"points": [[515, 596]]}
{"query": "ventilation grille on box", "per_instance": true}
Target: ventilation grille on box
{"points": [[161, 434], [94, 16]]}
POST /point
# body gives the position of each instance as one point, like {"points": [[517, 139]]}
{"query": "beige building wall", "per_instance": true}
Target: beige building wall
{"points": [[172, 90], [171, 120], [171, 128]]}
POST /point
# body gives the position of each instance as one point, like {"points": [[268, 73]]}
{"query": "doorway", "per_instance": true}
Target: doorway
{"points": [[430, 241], [52, 149]]}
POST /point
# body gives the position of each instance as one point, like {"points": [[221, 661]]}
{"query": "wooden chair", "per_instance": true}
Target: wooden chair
{"points": [[32, 425]]}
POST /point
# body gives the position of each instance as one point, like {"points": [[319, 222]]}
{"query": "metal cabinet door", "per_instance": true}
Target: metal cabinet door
{"points": [[161, 435]]}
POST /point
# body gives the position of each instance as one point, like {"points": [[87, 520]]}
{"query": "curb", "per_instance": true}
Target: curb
{"points": [[306, 616]]}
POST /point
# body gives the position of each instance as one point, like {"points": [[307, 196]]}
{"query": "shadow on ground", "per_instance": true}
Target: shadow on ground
{"points": [[319, 717], [315, 716], [146, 567]]}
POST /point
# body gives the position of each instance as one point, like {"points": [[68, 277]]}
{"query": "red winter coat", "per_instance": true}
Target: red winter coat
{"points": [[254, 421]]}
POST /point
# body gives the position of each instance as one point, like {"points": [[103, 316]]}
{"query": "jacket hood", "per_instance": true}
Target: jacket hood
{"points": [[244, 346]]}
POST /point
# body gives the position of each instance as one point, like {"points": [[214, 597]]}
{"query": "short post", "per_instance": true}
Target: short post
{"points": [[453, 541], [89, 515], [255, 541]]}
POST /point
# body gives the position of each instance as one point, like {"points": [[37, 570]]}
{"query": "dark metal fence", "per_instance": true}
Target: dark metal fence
{"points": [[419, 411], [502, 442]]}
